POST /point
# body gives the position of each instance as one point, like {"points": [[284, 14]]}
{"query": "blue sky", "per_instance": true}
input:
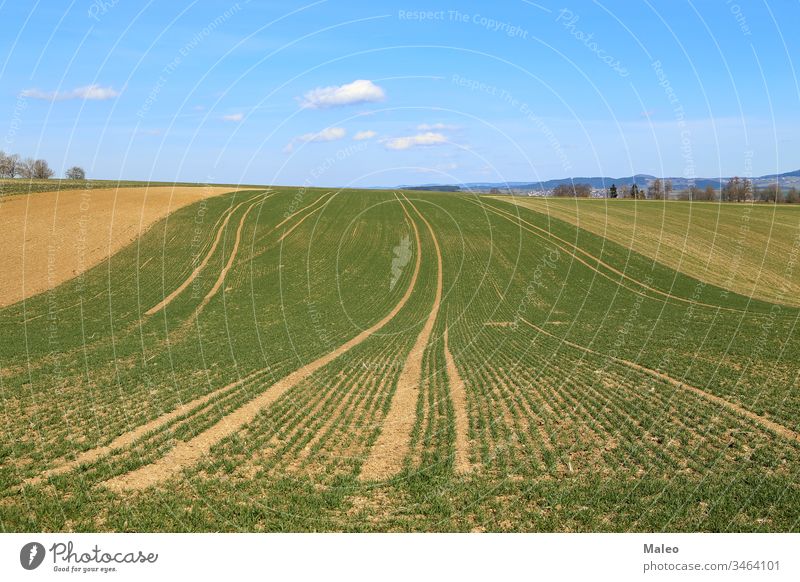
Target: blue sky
{"points": [[276, 92]]}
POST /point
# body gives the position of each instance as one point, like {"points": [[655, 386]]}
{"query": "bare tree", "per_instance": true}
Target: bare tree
{"points": [[42, 170], [709, 193], [792, 196], [583, 190], [667, 189], [656, 190], [737, 190], [26, 168], [773, 193], [729, 190], [746, 192], [572, 191], [9, 165], [75, 173]]}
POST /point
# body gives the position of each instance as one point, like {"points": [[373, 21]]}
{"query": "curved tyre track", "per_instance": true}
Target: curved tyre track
{"points": [[546, 235], [169, 298], [394, 441], [299, 222], [132, 436], [458, 393], [187, 453], [296, 212], [771, 425], [190, 407], [290, 217], [224, 273]]}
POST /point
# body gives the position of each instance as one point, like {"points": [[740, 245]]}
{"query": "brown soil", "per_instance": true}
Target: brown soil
{"points": [[187, 453], [51, 237], [736, 408], [393, 443], [458, 393]]}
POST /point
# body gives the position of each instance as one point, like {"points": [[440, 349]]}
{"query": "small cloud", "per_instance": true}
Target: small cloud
{"points": [[94, 93], [88, 93], [359, 91], [648, 113], [150, 132], [436, 127], [236, 117], [327, 134], [439, 168], [368, 134], [199, 108], [422, 139]]}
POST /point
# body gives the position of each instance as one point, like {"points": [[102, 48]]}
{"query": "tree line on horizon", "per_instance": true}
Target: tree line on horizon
{"points": [[13, 166], [735, 190]]}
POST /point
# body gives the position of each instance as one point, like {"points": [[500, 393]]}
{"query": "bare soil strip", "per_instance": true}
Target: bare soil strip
{"points": [[532, 228], [736, 408], [393, 443], [224, 273], [51, 237], [303, 209], [187, 453], [458, 393], [290, 217], [168, 299], [193, 406], [298, 223], [130, 437]]}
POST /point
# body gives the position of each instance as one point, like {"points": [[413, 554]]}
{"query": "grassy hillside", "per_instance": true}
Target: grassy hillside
{"points": [[603, 390], [746, 248]]}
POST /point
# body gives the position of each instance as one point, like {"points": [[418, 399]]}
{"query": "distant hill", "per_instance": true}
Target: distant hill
{"points": [[434, 188], [795, 174], [786, 179]]}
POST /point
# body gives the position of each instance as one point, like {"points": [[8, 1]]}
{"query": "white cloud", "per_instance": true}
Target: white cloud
{"points": [[439, 168], [327, 134], [422, 139], [359, 91], [94, 92], [90, 93], [368, 134], [436, 127], [237, 117]]}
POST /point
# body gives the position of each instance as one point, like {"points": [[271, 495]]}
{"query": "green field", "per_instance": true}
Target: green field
{"points": [[745, 248], [603, 390]]}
